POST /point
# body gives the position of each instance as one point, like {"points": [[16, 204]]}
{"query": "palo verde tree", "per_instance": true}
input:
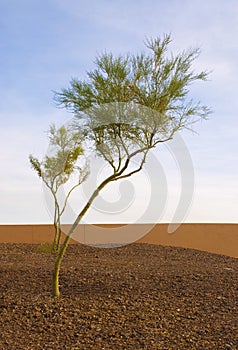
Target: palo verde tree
{"points": [[127, 106], [56, 169]]}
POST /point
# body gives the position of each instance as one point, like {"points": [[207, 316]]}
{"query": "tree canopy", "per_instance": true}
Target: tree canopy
{"points": [[157, 80]]}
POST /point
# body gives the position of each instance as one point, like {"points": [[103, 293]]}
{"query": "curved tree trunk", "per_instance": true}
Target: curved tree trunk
{"points": [[55, 281]]}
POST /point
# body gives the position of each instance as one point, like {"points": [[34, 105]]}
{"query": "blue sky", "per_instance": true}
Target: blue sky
{"points": [[46, 43]]}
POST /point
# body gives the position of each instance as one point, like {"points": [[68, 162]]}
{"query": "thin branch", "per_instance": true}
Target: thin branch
{"points": [[136, 170], [108, 160], [70, 191]]}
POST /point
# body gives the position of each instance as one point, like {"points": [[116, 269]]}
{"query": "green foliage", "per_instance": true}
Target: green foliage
{"points": [[45, 248], [35, 165], [56, 168], [149, 94], [155, 80]]}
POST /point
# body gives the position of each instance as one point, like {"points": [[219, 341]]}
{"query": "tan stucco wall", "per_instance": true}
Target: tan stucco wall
{"points": [[215, 238]]}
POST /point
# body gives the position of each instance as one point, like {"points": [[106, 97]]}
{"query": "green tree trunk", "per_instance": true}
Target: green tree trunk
{"points": [[55, 281], [56, 237], [57, 226]]}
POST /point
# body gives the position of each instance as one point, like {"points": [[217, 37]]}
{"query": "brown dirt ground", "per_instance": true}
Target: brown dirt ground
{"points": [[139, 296]]}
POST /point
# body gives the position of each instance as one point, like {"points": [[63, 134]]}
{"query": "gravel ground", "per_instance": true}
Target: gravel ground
{"points": [[135, 297]]}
